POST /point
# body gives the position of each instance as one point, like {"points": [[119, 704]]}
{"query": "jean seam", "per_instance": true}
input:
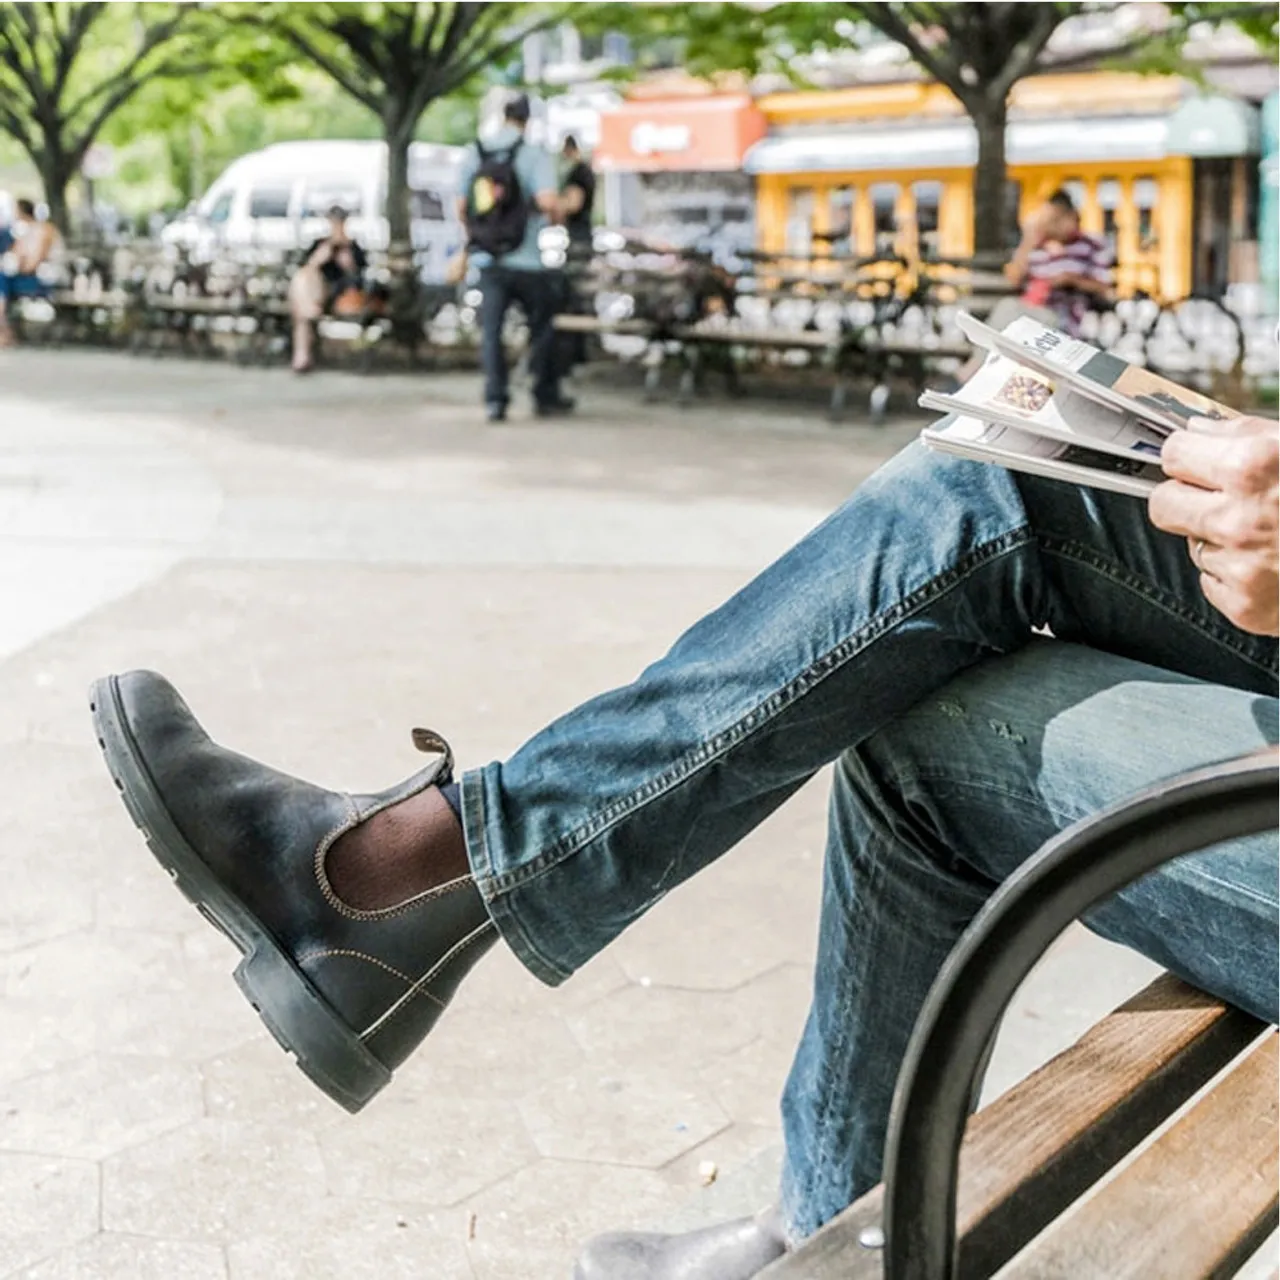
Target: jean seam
{"points": [[1122, 576], [822, 1157], [831, 1095], [720, 743], [1244, 892]]}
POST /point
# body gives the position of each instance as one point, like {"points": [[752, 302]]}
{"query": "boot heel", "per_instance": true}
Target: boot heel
{"points": [[325, 1049]]}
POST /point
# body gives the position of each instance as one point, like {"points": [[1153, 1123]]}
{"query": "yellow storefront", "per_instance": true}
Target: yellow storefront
{"points": [[889, 168]]}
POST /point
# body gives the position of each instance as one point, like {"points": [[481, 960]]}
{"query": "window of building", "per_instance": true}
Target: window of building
{"points": [[269, 202], [884, 205], [1146, 195], [692, 215], [1109, 197], [1252, 196], [928, 197], [799, 232], [617, 48], [840, 207]]}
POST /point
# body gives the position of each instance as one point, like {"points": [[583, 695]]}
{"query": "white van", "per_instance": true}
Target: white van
{"points": [[276, 199]]}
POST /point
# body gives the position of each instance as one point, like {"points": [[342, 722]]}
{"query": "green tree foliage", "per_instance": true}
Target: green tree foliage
{"points": [[1260, 22], [396, 59], [66, 69]]}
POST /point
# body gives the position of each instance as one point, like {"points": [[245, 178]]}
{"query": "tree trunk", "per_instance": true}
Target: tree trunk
{"points": [[404, 304], [55, 176], [990, 222], [399, 134]]}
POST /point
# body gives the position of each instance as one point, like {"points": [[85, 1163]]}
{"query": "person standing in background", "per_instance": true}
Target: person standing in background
{"points": [[509, 195], [577, 195]]}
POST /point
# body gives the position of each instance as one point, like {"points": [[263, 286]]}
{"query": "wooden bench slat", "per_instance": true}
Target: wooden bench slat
{"points": [[783, 339], [593, 324], [108, 298], [797, 338], [1098, 1100], [1196, 1203]]}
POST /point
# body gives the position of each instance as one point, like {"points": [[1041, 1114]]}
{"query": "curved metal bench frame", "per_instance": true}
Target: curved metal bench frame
{"points": [[1073, 872]]}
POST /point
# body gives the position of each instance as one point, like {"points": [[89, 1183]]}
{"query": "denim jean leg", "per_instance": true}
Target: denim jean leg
{"points": [[933, 564], [538, 296], [494, 301], [610, 807], [933, 812]]}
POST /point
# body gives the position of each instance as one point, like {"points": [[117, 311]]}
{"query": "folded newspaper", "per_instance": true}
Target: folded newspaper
{"points": [[1055, 406]]}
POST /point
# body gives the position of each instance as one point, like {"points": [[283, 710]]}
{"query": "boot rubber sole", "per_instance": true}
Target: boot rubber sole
{"points": [[326, 1049]]}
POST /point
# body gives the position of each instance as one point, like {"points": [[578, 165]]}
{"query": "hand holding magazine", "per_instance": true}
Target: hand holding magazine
{"points": [[1052, 405]]}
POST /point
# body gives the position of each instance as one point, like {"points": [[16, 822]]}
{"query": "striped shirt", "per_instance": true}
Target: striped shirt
{"points": [[1085, 255]]}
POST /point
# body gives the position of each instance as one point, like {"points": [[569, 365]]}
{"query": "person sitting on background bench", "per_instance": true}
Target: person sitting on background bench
{"points": [[1062, 272], [26, 247], [895, 641], [331, 278]]}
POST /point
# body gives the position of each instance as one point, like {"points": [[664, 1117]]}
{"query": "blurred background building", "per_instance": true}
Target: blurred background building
{"points": [[880, 159]]}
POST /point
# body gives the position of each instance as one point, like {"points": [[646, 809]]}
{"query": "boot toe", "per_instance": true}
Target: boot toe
{"points": [[736, 1250], [620, 1255]]}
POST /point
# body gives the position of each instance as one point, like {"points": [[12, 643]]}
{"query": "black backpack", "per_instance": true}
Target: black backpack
{"points": [[497, 211]]}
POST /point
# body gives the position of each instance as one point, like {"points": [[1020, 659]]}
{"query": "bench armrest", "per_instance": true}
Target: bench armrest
{"points": [[1085, 864]]}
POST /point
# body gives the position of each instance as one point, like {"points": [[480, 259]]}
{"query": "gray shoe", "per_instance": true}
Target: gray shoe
{"points": [[728, 1251]]}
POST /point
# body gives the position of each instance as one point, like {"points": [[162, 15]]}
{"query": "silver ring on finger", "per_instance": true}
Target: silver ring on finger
{"points": [[1197, 550]]}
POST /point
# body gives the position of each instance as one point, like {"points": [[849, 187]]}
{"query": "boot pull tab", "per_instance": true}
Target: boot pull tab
{"points": [[429, 741]]}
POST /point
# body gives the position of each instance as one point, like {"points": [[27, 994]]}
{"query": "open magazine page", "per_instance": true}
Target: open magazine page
{"points": [[1095, 374], [1022, 451], [1010, 394]]}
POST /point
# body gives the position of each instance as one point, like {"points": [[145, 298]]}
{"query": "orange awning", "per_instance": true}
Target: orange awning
{"points": [[690, 133]]}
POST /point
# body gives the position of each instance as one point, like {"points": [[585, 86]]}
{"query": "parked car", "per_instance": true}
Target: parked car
{"points": [[276, 199]]}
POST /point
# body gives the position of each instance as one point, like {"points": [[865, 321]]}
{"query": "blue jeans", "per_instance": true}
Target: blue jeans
{"points": [[932, 813], [536, 293], [933, 566], [21, 286]]}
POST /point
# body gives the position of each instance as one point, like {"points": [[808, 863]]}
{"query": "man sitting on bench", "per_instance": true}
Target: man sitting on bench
{"points": [[895, 640], [24, 248]]}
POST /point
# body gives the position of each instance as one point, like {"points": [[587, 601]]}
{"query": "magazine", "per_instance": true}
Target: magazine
{"points": [[1097, 375], [1022, 450], [1013, 396]]}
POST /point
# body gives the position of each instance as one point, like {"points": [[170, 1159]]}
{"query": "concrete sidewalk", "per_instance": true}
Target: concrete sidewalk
{"points": [[321, 564]]}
